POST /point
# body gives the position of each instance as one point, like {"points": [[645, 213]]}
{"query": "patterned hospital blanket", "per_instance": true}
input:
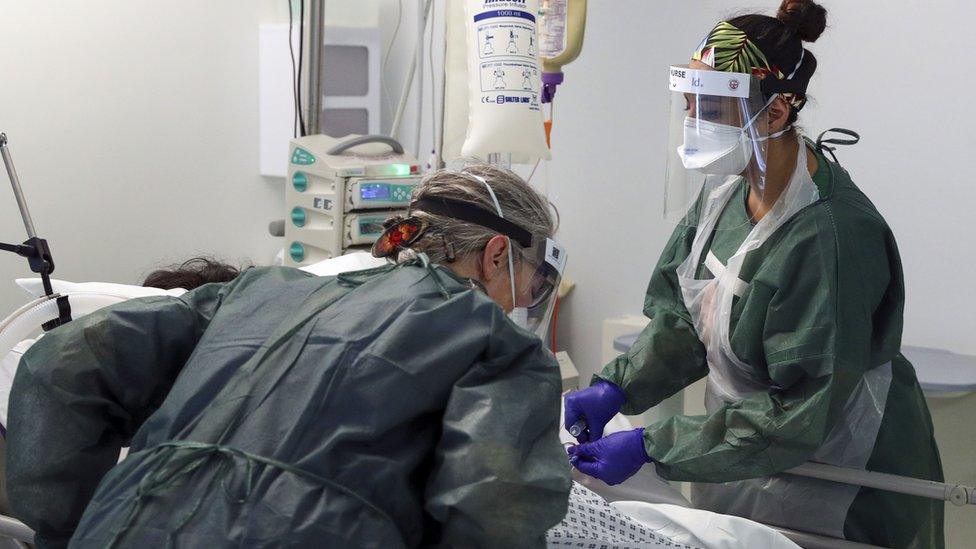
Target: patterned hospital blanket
{"points": [[591, 523]]}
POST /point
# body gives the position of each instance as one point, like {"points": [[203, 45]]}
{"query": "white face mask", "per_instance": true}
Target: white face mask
{"points": [[719, 149], [519, 315], [714, 149]]}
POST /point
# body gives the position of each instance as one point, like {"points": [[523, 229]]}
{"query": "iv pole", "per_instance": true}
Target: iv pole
{"points": [[316, 29], [35, 249]]}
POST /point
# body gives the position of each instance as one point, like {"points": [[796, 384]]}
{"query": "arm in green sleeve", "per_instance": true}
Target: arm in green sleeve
{"points": [[667, 356], [501, 477], [82, 391], [763, 434], [811, 337]]}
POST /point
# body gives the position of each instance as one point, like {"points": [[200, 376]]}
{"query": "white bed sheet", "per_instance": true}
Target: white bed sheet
{"points": [[593, 523], [703, 528]]}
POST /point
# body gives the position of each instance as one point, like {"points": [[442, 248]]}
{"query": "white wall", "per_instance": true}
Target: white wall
{"points": [[134, 127], [886, 70]]}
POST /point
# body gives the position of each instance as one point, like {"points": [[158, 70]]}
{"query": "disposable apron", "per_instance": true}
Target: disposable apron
{"points": [[786, 500]]}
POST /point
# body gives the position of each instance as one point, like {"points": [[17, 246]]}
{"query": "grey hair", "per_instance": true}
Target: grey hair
{"points": [[447, 237]]}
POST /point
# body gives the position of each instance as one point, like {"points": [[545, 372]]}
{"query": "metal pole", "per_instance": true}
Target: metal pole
{"points": [[14, 529], [440, 134], [955, 493], [15, 183], [422, 24], [807, 540], [411, 73], [316, 24], [402, 104]]}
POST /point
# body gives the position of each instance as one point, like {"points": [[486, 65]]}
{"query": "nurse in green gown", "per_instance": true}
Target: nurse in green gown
{"points": [[782, 286], [382, 408]]}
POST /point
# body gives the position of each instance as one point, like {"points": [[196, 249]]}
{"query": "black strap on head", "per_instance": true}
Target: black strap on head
{"points": [[464, 211], [771, 86], [796, 83]]}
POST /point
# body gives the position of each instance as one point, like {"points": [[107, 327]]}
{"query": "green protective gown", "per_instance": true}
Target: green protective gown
{"points": [[823, 305], [379, 409]]}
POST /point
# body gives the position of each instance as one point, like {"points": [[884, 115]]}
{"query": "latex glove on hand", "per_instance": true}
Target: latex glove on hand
{"points": [[595, 405], [613, 459]]}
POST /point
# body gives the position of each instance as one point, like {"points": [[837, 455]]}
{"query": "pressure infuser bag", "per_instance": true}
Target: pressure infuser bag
{"points": [[504, 79]]}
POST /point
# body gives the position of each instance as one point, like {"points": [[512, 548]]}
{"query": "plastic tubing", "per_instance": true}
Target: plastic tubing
{"points": [[29, 318]]}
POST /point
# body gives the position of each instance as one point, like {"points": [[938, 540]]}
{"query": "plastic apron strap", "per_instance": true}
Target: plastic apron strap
{"points": [[718, 270], [699, 295]]}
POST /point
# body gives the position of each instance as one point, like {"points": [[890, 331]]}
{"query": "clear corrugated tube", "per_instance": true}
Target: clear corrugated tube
{"points": [[29, 318], [26, 320]]}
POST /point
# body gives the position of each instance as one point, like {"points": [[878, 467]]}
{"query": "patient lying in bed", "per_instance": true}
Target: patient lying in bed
{"points": [[173, 280]]}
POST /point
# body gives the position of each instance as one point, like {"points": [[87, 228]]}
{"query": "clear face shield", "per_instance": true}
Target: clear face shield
{"points": [[536, 278], [718, 134]]}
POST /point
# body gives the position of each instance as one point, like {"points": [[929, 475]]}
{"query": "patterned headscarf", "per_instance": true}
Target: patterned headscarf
{"points": [[728, 48]]}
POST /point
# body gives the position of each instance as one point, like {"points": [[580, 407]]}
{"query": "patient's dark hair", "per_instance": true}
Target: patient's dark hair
{"points": [[192, 274]]}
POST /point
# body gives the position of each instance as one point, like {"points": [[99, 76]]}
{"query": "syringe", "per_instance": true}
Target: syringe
{"points": [[577, 428]]}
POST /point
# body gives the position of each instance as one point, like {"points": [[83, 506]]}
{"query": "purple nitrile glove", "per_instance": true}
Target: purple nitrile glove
{"points": [[595, 406], [612, 459]]}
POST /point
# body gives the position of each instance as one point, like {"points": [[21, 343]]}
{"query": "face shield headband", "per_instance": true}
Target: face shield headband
{"points": [[728, 48]]}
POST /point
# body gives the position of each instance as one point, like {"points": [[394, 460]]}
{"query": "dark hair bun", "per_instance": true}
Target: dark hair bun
{"points": [[806, 17]]}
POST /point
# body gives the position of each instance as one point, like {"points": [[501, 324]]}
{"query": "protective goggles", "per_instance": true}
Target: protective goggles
{"points": [[539, 267], [536, 300]]}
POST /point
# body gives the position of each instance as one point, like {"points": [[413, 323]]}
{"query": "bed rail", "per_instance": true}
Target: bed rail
{"points": [[816, 541], [957, 494]]}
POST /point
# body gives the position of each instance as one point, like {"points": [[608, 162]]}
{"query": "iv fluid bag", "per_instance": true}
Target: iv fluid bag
{"points": [[504, 80]]}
